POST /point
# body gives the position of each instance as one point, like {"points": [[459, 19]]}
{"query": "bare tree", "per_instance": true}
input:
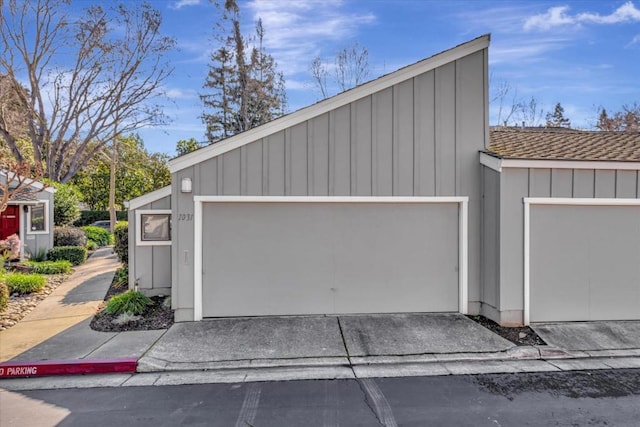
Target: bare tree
{"points": [[351, 69], [17, 177], [320, 73], [626, 120], [529, 113], [81, 77], [513, 110]]}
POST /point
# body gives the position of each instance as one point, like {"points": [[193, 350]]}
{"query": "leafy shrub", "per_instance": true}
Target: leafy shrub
{"points": [[76, 255], [49, 267], [132, 302], [4, 296], [69, 236], [91, 245], [65, 204], [38, 255], [121, 278], [24, 283], [89, 217], [121, 245], [97, 234]]}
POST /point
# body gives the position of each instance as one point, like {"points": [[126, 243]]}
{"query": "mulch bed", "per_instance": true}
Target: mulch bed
{"points": [[156, 316], [523, 335]]}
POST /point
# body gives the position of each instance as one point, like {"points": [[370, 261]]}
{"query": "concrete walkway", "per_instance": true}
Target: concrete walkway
{"points": [[58, 328]]}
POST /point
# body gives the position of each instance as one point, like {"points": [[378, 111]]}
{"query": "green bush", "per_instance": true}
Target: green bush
{"points": [[97, 234], [65, 204], [38, 255], [121, 278], [91, 245], [69, 236], [4, 296], [89, 217], [24, 283], [49, 267], [121, 245], [132, 302], [76, 255]]}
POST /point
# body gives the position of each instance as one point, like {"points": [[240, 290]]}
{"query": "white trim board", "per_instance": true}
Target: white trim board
{"points": [[497, 164], [329, 104], [463, 238], [528, 201], [151, 197]]}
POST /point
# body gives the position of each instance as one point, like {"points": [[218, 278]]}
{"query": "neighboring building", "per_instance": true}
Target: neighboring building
{"points": [[561, 235], [386, 198], [30, 214]]}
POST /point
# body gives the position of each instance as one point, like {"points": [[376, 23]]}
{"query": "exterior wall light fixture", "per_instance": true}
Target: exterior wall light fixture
{"points": [[186, 185]]}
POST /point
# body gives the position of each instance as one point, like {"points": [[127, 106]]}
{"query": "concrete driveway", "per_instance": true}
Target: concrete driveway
{"points": [[252, 341], [591, 336]]}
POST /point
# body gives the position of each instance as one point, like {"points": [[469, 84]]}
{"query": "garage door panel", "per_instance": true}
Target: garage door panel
{"points": [[311, 258], [584, 263]]}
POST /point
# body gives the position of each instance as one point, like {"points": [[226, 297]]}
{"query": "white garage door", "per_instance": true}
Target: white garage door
{"points": [[584, 262], [326, 258]]}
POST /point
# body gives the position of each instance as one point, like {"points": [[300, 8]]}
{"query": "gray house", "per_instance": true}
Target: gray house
{"points": [[30, 214], [386, 198]]}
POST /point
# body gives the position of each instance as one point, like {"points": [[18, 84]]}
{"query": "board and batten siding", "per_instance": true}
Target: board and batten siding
{"points": [[419, 137], [503, 265], [149, 266]]}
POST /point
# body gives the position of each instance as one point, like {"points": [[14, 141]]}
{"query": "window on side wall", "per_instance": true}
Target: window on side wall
{"points": [[153, 228], [38, 219]]}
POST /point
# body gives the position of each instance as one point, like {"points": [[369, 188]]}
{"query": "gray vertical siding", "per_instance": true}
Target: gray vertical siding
{"points": [[149, 266], [514, 185], [35, 242], [490, 237], [420, 137]]}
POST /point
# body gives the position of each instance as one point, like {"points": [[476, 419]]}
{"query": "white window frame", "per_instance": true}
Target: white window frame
{"points": [[138, 230], [46, 218]]}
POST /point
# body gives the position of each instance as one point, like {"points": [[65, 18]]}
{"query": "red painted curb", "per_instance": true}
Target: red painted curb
{"points": [[67, 367]]}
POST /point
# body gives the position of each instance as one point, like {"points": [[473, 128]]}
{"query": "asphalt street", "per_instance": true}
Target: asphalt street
{"points": [[593, 398]]}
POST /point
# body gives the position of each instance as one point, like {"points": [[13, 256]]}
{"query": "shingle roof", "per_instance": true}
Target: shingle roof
{"points": [[564, 144], [22, 196]]}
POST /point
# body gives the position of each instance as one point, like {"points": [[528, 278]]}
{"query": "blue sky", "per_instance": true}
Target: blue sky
{"points": [[583, 54]]}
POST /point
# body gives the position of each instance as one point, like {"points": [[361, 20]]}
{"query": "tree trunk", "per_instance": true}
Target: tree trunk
{"points": [[112, 185]]}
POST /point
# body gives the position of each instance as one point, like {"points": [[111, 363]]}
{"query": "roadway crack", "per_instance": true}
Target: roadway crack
{"points": [[358, 380]]}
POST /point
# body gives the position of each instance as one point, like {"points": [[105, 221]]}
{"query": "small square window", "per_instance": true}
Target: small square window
{"points": [[155, 227], [37, 219]]}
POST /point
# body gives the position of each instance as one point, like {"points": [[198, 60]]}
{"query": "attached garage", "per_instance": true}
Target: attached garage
{"points": [[561, 228], [313, 255], [365, 202], [583, 259]]}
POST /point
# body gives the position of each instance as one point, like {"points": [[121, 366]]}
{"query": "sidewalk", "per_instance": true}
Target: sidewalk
{"points": [[292, 347], [58, 328]]}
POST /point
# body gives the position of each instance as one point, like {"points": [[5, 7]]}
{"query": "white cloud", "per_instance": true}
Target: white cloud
{"points": [[183, 3], [554, 17], [177, 93], [297, 30], [558, 16], [523, 50], [635, 40], [625, 13]]}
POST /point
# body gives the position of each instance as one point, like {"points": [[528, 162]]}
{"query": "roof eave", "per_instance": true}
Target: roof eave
{"points": [[145, 199]]}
